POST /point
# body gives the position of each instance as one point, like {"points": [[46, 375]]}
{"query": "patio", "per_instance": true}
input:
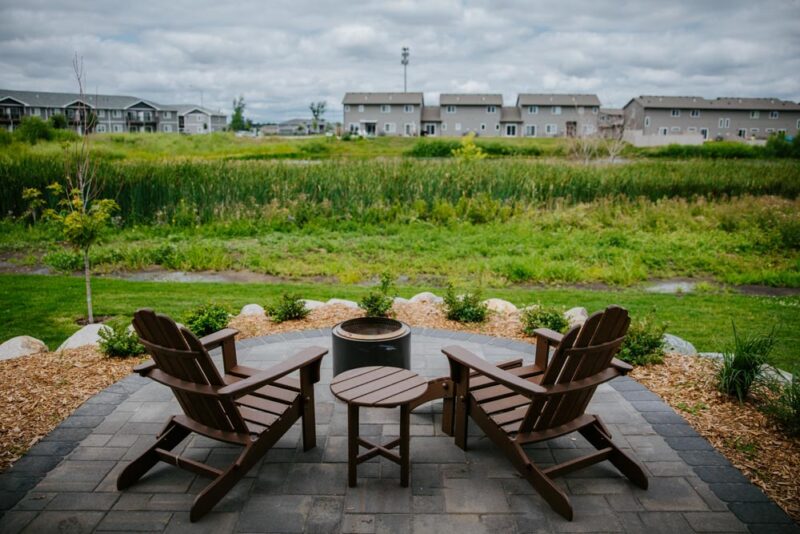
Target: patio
{"points": [[71, 474]]}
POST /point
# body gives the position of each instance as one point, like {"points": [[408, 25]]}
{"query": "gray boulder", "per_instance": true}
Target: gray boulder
{"points": [[400, 300], [427, 297], [500, 306], [312, 305], [343, 302], [21, 346], [675, 345], [252, 309], [576, 316], [88, 335]]}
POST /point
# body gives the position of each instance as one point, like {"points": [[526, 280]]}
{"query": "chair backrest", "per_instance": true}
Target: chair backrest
{"points": [[177, 352], [584, 352]]}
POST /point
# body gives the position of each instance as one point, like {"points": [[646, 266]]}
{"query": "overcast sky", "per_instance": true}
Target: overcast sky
{"points": [[281, 55]]}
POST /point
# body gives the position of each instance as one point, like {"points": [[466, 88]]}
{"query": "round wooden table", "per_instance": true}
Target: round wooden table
{"points": [[378, 387]]}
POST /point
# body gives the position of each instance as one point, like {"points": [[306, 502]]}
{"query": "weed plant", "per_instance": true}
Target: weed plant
{"points": [[743, 363]]}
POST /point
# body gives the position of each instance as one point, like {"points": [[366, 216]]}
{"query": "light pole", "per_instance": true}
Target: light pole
{"points": [[404, 61]]}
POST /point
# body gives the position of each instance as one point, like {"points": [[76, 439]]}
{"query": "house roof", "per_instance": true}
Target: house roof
{"points": [[470, 99], [184, 109], [61, 100], [510, 114], [722, 103], [552, 99], [612, 111], [382, 98], [431, 114]]}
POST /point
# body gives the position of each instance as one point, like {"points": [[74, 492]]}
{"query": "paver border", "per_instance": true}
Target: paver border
{"points": [[745, 500]]}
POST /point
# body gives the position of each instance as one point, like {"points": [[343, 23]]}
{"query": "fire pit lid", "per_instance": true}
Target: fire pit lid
{"points": [[371, 329]]}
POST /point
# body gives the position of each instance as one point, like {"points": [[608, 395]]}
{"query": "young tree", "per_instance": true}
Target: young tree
{"points": [[317, 111], [237, 119]]}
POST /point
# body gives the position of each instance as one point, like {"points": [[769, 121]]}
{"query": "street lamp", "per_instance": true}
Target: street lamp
{"points": [[404, 61]]}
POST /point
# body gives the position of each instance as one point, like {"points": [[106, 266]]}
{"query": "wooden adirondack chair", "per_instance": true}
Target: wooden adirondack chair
{"points": [[244, 406], [516, 410]]}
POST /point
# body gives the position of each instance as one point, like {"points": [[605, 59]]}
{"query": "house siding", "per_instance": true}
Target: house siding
{"points": [[372, 114]]}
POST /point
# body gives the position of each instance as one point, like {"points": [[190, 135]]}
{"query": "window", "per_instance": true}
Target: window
{"points": [[724, 123], [798, 124], [675, 129], [497, 127], [101, 113], [555, 110], [491, 109], [742, 133], [533, 110], [695, 113], [458, 127], [386, 108], [782, 131], [353, 128], [408, 108], [511, 130], [483, 127], [754, 114], [530, 130], [347, 109], [389, 127], [770, 130], [595, 110], [450, 109], [663, 130], [581, 110], [754, 131], [117, 127], [167, 127], [166, 115], [444, 126], [647, 122], [774, 114], [550, 129], [116, 113], [361, 108], [691, 129], [675, 113], [101, 128]]}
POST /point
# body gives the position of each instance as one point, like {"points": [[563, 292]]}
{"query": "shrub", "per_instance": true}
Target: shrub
{"points": [[436, 148], [58, 121], [644, 343], [32, 130], [377, 303], [64, 261], [288, 308], [207, 319], [538, 316], [5, 137], [785, 406], [466, 308], [742, 364], [118, 342], [469, 151]]}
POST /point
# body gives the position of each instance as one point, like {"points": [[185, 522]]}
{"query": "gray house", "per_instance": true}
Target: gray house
{"points": [[727, 118], [301, 127], [112, 113], [465, 113], [383, 113], [558, 115]]}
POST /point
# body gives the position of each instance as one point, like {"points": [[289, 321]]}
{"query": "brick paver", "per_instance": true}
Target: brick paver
{"points": [[67, 481]]}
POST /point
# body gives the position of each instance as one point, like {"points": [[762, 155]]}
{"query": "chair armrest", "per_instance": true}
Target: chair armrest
{"points": [[550, 335], [298, 361], [621, 366], [212, 341], [545, 338], [144, 367], [468, 359]]}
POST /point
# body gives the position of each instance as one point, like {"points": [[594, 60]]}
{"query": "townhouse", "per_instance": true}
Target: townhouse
{"points": [[465, 113], [558, 115], [383, 113], [724, 118], [109, 113]]}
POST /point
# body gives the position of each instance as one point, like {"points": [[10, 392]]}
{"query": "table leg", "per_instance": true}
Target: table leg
{"points": [[352, 444], [405, 438]]}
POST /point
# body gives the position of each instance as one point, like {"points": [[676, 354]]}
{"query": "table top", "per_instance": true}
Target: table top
{"points": [[382, 387]]}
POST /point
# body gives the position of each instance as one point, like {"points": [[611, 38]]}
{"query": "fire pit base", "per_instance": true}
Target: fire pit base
{"points": [[368, 341]]}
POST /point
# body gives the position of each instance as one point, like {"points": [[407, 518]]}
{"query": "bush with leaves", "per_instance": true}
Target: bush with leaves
{"points": [[539, 316], [118, 342], [742, 364], [469, 151], [207, 319], [378, 303], [466, 308], [288, 308], [644, 343], [784, 406], [32, 130]]}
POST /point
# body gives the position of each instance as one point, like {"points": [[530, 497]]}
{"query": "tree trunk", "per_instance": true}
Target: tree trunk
{"points": [[88, 278]]}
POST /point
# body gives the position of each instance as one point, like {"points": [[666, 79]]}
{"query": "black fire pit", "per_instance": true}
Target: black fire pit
{"points": [[369, 341]]}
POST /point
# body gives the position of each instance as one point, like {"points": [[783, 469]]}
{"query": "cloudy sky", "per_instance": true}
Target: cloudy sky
{"points": [[281, 55]]}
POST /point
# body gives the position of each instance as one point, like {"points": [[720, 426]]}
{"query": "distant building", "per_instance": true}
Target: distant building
{"points": [[301, 127], [465, 113], [383, 113], [728, 118], [112, 113], [269, 129], [611, 122], [558, 115]]}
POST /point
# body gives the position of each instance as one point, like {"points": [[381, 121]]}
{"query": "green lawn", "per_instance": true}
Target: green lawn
{"points": [[46, 307]]}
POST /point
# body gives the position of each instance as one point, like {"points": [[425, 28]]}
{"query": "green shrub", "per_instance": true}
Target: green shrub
{"points": [[377, 303], [539, 316], [466, 308], [433, 148], [207, 319], [288, 308], [118, 342], [64, 261], [643, 343], [742, 364], [712, 150], [5, 137], [58, 121], [32, 130], [315, 148], [785, 406]]}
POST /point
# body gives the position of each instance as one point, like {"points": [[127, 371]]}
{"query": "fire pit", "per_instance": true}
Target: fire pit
{"points": [[367, 341]]}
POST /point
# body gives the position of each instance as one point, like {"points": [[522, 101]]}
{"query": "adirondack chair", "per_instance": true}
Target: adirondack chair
{"points": [[517, 410], [243, 406]]}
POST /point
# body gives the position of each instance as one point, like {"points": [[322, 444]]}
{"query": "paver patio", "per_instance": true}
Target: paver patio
{"points": [[67, 481]]}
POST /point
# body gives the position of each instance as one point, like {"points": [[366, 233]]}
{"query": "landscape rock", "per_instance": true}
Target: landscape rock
{"points": [[252, 309], [88, 335], [313, 304], [21, 346], [343, 302], [426, 297], [400, 300], [576, 316], [500, 306], [675, 345]]}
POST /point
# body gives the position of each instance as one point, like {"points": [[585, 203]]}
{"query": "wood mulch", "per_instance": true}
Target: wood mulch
{"points": [[741, 432], [39, 391]]}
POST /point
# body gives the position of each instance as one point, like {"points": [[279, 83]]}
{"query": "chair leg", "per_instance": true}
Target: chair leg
{"points": [[447, 415], [627, 465], [544, 485], [171, 436], [309, 418], [214, 492]]}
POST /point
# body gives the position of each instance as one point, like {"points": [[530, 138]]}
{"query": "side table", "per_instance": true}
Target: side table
{"points": [[378, 387]]}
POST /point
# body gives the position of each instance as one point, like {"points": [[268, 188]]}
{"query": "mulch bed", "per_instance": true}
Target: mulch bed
{"points": [[39, 391]]}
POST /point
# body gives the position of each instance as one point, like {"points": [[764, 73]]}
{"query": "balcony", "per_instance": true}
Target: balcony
{"points": [[9, 115], [141, 118]]}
